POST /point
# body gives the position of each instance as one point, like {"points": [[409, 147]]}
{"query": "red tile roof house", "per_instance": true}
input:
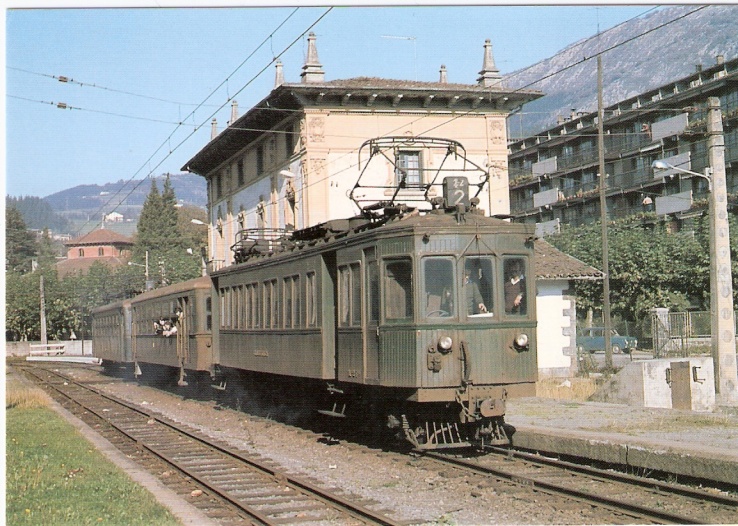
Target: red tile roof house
{"points": [[100, 245]]}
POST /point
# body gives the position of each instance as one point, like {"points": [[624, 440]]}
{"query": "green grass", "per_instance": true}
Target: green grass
{"points": [[54, 476]]}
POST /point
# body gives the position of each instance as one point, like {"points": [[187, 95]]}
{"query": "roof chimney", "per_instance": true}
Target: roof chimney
{"points": [[278, 74], [720, 60], [213, 129], [490, 75], [443, 78], [234, 112], [312, 71]]}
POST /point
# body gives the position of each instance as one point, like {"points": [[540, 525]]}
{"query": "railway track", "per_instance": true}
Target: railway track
{"points": [[229, 486], [625, 497]]}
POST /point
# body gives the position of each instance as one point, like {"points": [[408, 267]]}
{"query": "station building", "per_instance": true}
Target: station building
{"points": [[554, 174], [290, 161]]}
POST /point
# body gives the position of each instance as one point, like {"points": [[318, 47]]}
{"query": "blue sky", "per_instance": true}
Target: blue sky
{"points": [[137, 73]]}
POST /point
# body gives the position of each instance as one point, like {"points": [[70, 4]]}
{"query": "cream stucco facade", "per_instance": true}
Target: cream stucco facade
{"points": [[293, 159]]}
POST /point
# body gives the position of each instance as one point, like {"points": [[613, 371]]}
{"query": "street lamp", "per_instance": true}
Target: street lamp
{"points": [[721, 278], [661, 165], [149, 284]]}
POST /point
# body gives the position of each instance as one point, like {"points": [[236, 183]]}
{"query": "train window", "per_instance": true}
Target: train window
{"points": [[270, 301], [223, 322], [238, 307], [355, 295], [438, 281], [256, 305], [291, 293], [515, 286], [373, 279], [344, 291], [311, 300], [349, 299], [398, 290], [477, 286]]}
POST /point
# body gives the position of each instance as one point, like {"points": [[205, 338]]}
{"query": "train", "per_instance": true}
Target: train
{"points": [[419, 322]]}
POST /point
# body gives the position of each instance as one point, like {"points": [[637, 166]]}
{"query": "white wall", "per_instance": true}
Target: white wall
{"points": [[554, 321]]}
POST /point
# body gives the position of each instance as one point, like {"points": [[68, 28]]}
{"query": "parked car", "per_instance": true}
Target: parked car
{"points": [[592, 339]]}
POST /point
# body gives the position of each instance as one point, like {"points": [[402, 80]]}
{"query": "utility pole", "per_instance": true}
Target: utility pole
{"points": [[607, 323], [44, 339], [721, 276]]}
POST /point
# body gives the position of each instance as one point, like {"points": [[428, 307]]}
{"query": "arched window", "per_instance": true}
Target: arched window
{"points": [[101, 251], [81, 252]]}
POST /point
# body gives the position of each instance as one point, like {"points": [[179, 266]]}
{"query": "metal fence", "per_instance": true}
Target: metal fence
{"points": [[680, 333]]}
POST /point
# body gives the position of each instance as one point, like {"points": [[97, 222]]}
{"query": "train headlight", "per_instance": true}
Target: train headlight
{"points": [[521, 342], [445, 343]]}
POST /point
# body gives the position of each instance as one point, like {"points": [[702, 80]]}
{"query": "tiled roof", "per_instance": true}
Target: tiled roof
{"points": [[82, 265], [100, 236], [552, 263], [382, 83]]}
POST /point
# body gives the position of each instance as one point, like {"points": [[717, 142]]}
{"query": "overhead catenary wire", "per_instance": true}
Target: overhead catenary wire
{"points": [[167, 141], [197, 127]]}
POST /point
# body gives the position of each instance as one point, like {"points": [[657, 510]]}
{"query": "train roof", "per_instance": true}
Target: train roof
{"points": [[177, 288], [391, 220], [112, 306]]}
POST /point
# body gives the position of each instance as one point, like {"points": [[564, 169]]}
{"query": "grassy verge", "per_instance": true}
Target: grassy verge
{"points": [[575, 388], [54, 476]]}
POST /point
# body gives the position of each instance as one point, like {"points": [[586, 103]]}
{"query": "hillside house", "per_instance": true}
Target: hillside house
{"points": [[101, 245]]}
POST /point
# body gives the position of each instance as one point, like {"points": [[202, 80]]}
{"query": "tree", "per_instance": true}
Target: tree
{"points": [[22, 298], [20, 244], [149, 224], [649, 266], [162, 234]]}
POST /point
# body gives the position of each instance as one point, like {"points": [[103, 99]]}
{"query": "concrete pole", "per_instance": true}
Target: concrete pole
{"points": [[607, 322], [44, 340], [721, 276]]}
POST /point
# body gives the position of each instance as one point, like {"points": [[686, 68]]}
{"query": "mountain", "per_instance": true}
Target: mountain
{"points": [[639, 55], [125, 197]]}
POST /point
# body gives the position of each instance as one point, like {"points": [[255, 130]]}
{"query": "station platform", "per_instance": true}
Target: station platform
{"points": [[686, 443]]}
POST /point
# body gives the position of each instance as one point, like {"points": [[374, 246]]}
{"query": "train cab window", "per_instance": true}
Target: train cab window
{"points": [[398, 290], [439, 291], [515, 286], [477, 292]]}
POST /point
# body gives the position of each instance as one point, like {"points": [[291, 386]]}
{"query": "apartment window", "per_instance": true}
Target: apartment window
{"points": [[407, 170]]}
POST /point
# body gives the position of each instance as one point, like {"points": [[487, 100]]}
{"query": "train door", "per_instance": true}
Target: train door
{"points": [[371, 316], [183, 330]]}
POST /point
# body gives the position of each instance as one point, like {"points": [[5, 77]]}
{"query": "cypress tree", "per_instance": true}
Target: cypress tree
{"points": [[20, 245]]}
